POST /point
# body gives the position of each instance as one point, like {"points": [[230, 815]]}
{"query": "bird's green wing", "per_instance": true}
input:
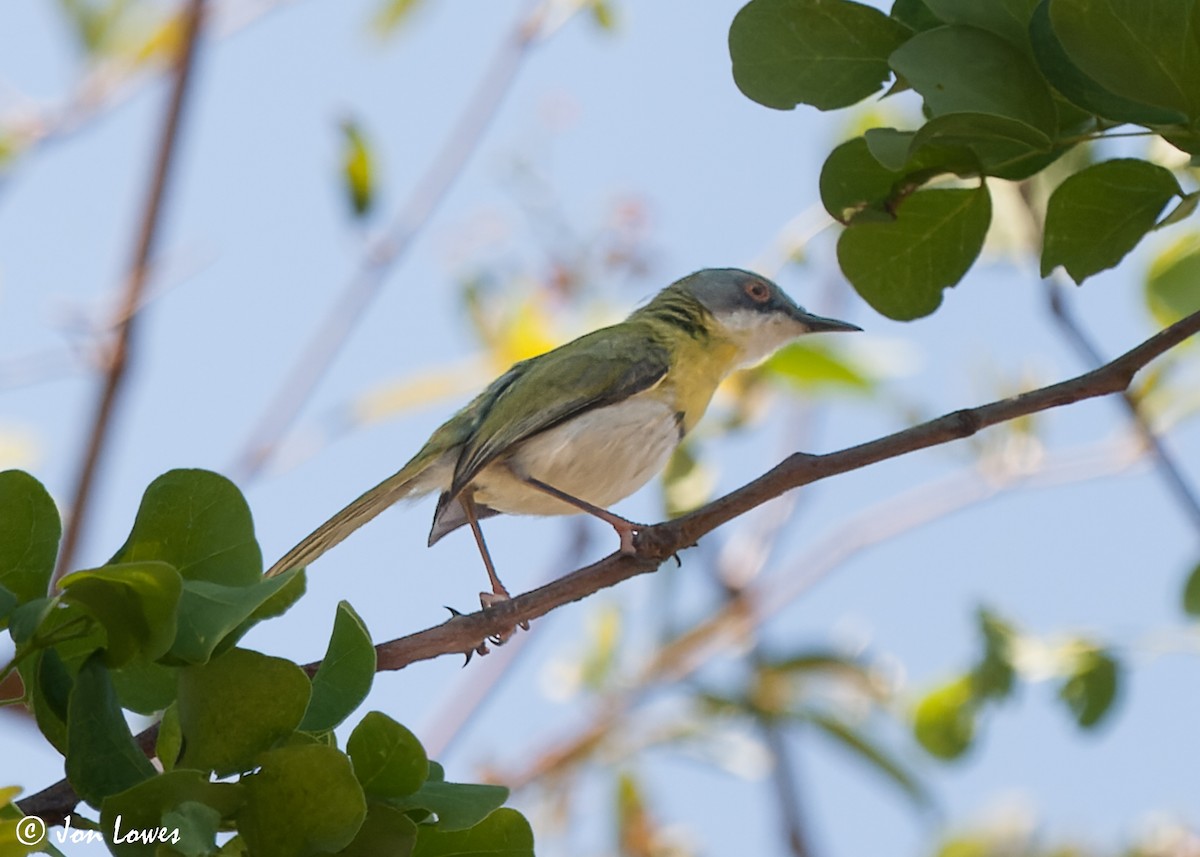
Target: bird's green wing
{"points": [[602, 368]]}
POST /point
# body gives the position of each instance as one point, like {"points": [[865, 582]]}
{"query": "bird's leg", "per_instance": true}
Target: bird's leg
{"points": [[625, 528], [498, 593]]}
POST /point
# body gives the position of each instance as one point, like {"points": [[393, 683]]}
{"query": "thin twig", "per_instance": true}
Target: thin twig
{"points": [[657, 543], [123, 344], [1167, 467], [384, 253], [787, 788]]}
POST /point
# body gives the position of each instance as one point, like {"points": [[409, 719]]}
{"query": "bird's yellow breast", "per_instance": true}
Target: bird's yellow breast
{"points": [[697, 368]]}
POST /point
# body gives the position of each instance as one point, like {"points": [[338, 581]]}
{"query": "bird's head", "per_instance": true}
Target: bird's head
{"points": [[751, 311]]}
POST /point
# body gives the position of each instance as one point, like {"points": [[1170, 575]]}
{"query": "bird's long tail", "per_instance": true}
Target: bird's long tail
{"points": [[410, 482]]}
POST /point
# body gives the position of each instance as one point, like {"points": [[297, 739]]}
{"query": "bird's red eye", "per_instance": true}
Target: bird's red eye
{"points": [[758, 291]]}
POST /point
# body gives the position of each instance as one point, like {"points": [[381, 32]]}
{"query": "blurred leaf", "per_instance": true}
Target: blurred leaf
{"points": [[504, 833], [815, 366], [1147, 52], [102, 757], [687, 482], [1092, 686], [358, 168], [237, 706], [29, 532], [392, 14], [96, 22], [458, 806], [386, 830], [1191, 592], [827, 53], [993, 677], [901, 267], [198, 522], [303, 800], [604, 15], [872, 754], [345, 675], [389, 761], [604, 639], [635, 827], [944, 721], [1173, 282], [1098, 215], [146, 805], [136, 603], [965, 70]]}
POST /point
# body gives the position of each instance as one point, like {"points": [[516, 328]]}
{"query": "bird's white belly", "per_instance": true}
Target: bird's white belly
{"points": [[601, 456]]}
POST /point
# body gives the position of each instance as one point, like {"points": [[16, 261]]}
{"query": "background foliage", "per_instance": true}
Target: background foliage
{"points": [[1045, 135]]}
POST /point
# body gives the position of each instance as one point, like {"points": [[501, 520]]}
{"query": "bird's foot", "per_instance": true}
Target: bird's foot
{"points": [[628, 531], [489, 600]]}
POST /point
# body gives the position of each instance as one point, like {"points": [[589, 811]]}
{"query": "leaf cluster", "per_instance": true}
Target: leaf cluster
{"points": [[1007, 88], [245, 741]]}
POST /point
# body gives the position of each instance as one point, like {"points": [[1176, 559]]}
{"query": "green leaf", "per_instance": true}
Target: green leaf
{"points": [[827, 53], [1191, 592], [358, 168], [211, 612], [1144, 51], [145, 687], [386, 830], [1095, 217], [853, 180], [102, 757], [169, 741], [993, 677], [25, 621], [1173, 282], [237, 706], [302, 801], [392, 14], [965, 70], [1082, 90], [389, 761], [1002, 147], [136, 604], [1008, 19], [197, 825], [345, 675], [8, 603], [149, 805], [944, 721], [198, 522], [915, 14], [1092, 686], [873, 755], [901, 267], [814, 367], [48, 685], [458, 806], [29, 532], [504, 833]]}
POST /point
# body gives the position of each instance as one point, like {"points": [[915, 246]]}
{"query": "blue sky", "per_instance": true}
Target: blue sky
{"points": [[257, 245]]}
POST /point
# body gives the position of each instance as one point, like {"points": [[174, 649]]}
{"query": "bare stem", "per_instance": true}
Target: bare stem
{"points": [[123, 344]]}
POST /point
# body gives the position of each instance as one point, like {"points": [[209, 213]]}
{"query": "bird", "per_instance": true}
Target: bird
{"points": [[580, 427]]}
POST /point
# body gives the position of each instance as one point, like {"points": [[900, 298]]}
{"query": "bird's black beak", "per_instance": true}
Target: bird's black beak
{"points": [[820, 324]]}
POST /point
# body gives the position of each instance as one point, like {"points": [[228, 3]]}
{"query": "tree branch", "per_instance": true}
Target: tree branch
{"points": [[118, 357], [657, 543]]}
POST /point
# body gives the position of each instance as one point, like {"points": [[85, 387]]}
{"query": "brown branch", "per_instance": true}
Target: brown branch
{"points": [[657, 543], [123, 344]]}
